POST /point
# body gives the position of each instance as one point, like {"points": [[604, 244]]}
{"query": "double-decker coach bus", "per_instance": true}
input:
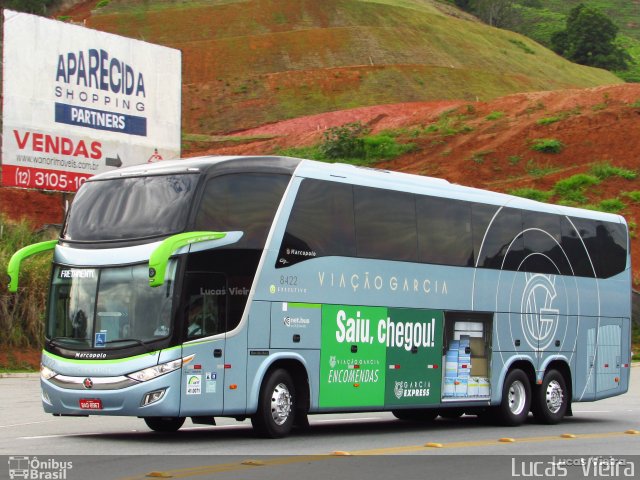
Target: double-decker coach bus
{"points": [[271, 288]]}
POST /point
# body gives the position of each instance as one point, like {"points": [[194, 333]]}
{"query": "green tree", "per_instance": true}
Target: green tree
{"points": [[588, 39]]}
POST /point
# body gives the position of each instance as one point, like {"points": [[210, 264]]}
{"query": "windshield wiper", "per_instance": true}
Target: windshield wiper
{"points": [[134, 340], [57, 341]]}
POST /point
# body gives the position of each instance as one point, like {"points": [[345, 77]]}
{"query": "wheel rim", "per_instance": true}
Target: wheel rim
{"points": [[281, 404], [517, 397], [554, 396]]}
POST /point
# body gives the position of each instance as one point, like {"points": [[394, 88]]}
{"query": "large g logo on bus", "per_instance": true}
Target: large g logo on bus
{"points": [[539, 318]]}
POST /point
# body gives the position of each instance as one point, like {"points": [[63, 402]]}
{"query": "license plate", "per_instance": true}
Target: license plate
{"points": [[90, 404]]}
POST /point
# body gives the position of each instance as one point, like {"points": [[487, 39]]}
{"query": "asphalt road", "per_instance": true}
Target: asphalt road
{"points": [[371, 445]]}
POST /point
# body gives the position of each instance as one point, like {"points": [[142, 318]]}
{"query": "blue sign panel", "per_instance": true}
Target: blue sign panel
{"points": [[101, 120]]}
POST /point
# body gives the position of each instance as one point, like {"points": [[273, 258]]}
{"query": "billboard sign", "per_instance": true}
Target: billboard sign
{"points": [[77, 102]]}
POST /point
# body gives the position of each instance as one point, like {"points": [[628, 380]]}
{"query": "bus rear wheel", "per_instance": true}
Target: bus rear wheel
{"points": [[276, 413], [516, 399], [164, 424], [551, 400], [416, 415]]}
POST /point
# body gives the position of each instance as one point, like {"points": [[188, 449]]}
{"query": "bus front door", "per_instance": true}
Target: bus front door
{"points": [[205, 313]]}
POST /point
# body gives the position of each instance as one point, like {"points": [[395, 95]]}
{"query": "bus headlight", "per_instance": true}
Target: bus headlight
{"points": [[158, 370], [46, 373]]}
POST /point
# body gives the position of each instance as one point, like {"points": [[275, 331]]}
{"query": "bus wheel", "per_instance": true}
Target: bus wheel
{"points": [[164, 424], [417, 415], [550, 400], [275, 415], [516, 399]]}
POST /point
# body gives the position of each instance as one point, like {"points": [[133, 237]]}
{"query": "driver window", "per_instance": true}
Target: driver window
{"points": [[205, 305]]}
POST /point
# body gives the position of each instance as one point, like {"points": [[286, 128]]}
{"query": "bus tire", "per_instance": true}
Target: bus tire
{"points": [[276, 413], [164, 424], [422, 415], [550, 400], [516, 399]]}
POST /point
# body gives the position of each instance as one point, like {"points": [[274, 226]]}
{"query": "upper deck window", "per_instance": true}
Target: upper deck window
{"points": [[245, 202], [130, 208]]}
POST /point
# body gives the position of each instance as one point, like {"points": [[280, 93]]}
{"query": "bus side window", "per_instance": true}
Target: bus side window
{"points": [[205, 305], [241, 202], [501, 244], [444, 231], [320, 224], [385, 224]]}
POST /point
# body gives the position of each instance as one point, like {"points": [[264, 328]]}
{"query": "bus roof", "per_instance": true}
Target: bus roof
{"points": [[364, 176]]}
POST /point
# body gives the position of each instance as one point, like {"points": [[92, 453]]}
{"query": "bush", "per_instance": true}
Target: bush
{"points": [[344, 141], [102, 3], [547, 145]]}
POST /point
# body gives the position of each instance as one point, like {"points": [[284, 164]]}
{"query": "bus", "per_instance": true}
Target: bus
{"points": [[271, 288]]}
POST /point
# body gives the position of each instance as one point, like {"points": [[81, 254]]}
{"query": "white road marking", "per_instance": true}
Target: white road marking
{"points": [[23, 424], [340, 420]]}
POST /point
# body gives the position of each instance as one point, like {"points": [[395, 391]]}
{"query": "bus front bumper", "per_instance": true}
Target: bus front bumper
{"points": [[87, 396]]}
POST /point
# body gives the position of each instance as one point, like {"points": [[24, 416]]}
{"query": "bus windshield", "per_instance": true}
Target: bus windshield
{"points": [[130, 208], [109, 307]]}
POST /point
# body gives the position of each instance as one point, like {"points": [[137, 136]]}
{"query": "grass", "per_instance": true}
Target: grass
{"points": [[449, 125], [535, 169], [522, 46], [532, 194], [611, 205], [605, 170], [634, 195], [572, 190], [479, 157], [496, 115], [548, 120], [547, 145]]}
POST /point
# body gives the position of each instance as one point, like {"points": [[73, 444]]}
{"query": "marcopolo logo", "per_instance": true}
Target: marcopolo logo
{"points": [[38, 469]]}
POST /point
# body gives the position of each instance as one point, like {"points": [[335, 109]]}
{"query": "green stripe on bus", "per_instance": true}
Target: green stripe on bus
{"points": [[304, 305]]}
